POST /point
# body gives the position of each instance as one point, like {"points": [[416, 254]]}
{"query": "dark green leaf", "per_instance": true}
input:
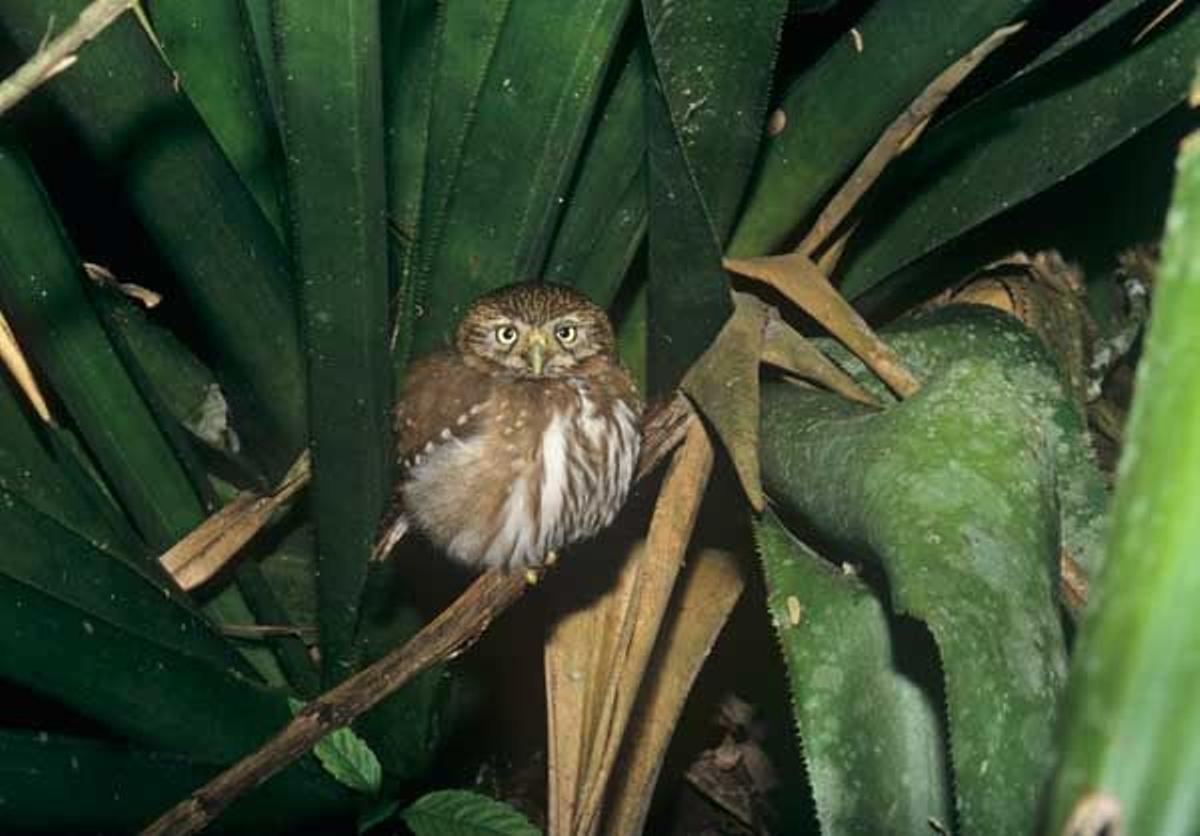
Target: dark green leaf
{"points": [[331, 111], [410, 36], [1131, 722], [29, 470], [1024, 137], [462, 813], [871, 735], [207, 226], [605, 218], [42, 290], [837, 109], [498, 180], [211, 46], [114, 788]]}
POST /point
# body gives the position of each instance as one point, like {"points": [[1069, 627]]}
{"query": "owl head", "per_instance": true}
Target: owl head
{"points": [[534, 330]]}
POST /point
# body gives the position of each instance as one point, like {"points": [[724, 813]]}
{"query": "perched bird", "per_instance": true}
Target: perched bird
{"points": [[524, 437]]}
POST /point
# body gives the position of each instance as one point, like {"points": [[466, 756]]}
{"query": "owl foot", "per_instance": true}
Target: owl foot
{"points": [[532, 577], [551, 558]]}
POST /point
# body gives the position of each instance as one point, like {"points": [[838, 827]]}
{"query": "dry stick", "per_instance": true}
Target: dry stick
{"points": [[12, 358], [60, 53], [454, 630], [213, 544], [896, 138]]}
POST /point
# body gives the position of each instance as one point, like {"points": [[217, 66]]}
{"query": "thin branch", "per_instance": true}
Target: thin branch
{"points": [[454, 630], [60, 53]]}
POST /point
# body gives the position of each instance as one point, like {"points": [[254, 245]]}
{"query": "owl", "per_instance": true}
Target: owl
{"points": [[524, 437]]}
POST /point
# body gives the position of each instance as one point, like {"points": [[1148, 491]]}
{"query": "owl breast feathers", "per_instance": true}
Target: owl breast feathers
{"points": [[523, 439]]}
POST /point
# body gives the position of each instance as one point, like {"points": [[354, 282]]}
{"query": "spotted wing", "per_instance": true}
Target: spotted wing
{"points": [[442, 397]]}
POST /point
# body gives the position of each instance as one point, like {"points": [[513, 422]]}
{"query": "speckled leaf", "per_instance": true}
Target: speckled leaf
{"points": [[1131, 740], [871, 735], [502, 172], [462, 813], [705, 120], [1023, 138], [953, 491]]}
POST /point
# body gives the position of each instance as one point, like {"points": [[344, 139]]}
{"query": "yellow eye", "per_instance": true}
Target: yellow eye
{"points": [[506, 335], [566, 334]]}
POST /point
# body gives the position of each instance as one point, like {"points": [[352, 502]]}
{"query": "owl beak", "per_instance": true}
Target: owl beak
{"points": [[537, 352]]}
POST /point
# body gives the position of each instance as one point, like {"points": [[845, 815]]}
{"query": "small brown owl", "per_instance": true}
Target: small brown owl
{"points": [[522, 439]]}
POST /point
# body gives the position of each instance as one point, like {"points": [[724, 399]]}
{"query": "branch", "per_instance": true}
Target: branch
{"points": [[454, 630], [59, 54]]}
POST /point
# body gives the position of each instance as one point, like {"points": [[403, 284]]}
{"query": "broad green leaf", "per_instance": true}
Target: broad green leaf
{"points": [[705, 121], [462, 813], [835, 110], [223, 252], [51, 783], [211, 46], [331, 112], [348, 758], [953, 492], [871, 735], [1024, 137], [500, 175], [604, 222], [1131, 723]]}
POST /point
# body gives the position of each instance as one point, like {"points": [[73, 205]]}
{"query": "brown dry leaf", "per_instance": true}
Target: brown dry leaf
{"points": [[897, 137], [786, 348], [802, 282], [14, 360], [581, 653], [208, 548], [588, 729], [707, 596], [723, 384]]}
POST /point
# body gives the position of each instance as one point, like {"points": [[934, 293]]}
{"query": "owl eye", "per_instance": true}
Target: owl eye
{"points": [[566, 334], [506, 335]]}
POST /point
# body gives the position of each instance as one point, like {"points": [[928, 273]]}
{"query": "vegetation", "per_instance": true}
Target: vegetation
{"points": [[227, 227]]}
